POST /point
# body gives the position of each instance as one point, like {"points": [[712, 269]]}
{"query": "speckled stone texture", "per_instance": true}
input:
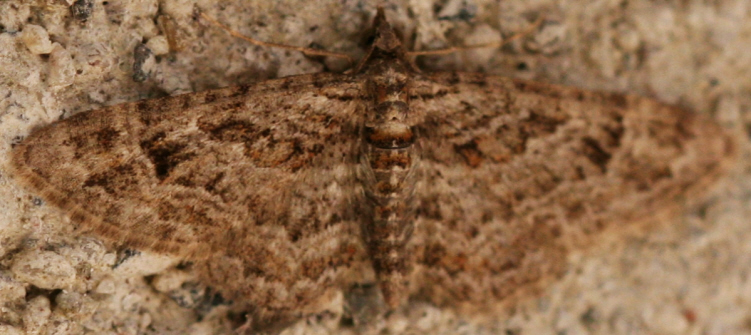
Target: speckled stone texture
{"points": [[58, 58]]}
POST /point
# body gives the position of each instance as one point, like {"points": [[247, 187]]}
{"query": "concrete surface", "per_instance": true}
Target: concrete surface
{"points": [[58, 58]]}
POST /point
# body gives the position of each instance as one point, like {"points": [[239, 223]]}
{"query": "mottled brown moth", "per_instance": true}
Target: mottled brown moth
{"points": [[460, 189]]}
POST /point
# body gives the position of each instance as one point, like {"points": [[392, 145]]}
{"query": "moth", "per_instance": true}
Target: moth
{"points": [[462, 189]]}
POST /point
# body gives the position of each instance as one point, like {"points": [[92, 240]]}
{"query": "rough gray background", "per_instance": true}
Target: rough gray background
{"points": [[691, 276]]}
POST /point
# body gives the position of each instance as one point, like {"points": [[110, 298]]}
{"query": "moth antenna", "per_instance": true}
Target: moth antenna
{"points": [[514, 37], [306, 51]]}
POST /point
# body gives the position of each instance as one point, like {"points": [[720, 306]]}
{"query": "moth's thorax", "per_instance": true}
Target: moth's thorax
{"points": [[389, 153], [388, 162]]}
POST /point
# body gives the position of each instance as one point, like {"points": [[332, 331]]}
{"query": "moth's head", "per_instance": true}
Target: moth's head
{"points": [[386, 38], [385, 45]]}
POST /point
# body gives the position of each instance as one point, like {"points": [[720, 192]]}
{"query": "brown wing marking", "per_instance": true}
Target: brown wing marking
{"points": [[253, 182], [518, 173]]}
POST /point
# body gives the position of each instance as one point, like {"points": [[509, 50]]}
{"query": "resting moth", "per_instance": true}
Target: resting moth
{"points": [[461, 189]]}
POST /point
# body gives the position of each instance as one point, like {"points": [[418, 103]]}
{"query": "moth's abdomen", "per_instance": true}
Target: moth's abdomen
{"points": [[388, 161]]}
